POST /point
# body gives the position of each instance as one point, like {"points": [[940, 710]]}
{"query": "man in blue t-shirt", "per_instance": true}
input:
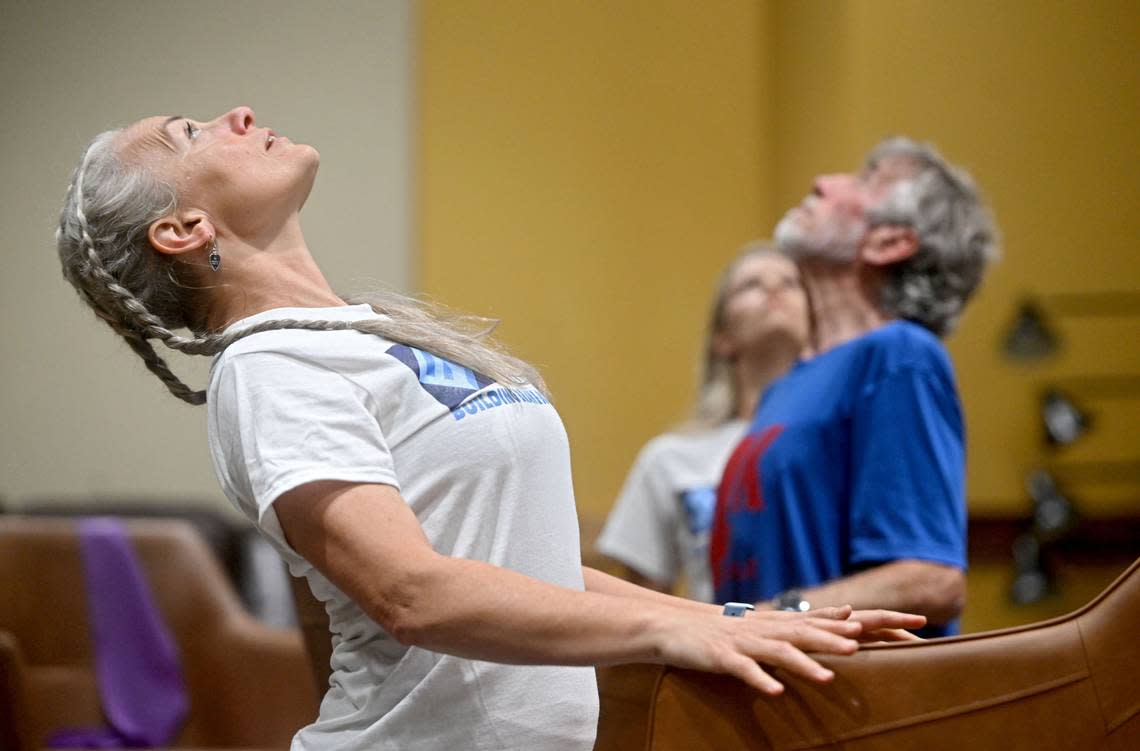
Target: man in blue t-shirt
{"points": [[849, 487]]}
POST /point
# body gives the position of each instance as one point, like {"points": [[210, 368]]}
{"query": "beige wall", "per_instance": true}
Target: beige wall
{"points": [[80, 413]]}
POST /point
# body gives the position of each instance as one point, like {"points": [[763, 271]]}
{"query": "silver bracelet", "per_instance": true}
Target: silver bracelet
{"points": [[737, 609]]}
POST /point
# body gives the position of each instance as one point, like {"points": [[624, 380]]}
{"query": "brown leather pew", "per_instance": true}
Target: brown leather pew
{"points": [[1068, 684]]}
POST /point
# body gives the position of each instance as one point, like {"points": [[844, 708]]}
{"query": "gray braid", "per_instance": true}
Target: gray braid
{"points": [[98, 252], [143, 318], [410, 322], [106, 255], [153, 361]]}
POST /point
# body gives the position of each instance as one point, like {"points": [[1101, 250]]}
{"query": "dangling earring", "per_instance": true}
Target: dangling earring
{"points": [[215, 256]]}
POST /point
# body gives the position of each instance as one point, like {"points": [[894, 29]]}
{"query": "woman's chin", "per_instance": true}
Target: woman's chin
{"points": [[306, 186]]}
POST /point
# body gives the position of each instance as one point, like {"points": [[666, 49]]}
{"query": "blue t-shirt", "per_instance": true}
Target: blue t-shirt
{"points": [[854, 458]]}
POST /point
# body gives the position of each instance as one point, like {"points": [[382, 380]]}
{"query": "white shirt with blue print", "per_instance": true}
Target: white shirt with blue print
{"points": [[485, 469], [660, 525]]}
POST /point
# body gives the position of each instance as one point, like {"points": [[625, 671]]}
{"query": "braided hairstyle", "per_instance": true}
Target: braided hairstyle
{"points": [[105, 252]]}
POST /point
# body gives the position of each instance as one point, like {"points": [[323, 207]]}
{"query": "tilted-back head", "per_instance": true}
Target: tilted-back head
{"points": [[106, 253], [718, 396], [956, 236]]}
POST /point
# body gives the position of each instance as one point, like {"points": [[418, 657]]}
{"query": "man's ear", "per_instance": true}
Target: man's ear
{"points": [[888, 244], [176, 234]]}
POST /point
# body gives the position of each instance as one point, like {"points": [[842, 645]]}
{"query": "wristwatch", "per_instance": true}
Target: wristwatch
{"points": [[737, 609], [791, 600]]}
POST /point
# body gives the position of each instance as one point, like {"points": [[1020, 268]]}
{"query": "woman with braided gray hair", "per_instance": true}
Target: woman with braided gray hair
{"points": [[416, 475]]}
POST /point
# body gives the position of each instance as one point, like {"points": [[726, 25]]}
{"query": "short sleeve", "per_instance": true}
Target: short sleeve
{"points": [[908, 470], [278, 422], [641, 529]]}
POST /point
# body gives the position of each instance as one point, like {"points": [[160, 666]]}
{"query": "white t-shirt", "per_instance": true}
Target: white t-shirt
{"points": [[660, 524], [485, 469]]}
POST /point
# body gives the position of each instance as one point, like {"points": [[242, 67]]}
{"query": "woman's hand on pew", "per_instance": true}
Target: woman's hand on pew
{"points": [[875, 625], [738, 646]]}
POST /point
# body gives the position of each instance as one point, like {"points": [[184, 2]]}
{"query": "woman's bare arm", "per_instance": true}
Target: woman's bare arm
{"points": [[876, 625], [366, 540]]}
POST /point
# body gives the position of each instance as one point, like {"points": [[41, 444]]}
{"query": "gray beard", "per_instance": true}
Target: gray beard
{"points": [[839, 245]]}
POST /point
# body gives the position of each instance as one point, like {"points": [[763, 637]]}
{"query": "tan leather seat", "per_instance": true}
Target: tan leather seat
{"points": [[1071, 683], [249, 684]]}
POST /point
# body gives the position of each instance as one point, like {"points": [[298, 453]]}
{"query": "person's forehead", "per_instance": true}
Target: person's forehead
{"points": [[143, 128], [145, 138], [768, 259], [755, 264]]}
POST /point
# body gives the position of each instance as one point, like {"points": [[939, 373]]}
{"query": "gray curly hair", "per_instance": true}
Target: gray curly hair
{"points": [[105, 252], [957, 236]]}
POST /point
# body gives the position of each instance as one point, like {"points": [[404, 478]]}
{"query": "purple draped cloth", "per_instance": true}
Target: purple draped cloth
{"points": [[136, 659]]}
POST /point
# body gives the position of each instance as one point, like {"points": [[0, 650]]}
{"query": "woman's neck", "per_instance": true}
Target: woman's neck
{"points": [[844, 302], [282, 274], [755, 371]]}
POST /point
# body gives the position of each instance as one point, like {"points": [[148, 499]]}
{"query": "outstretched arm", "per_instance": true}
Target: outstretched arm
{"points": [[366, 540], [875, 624], [930, 589]]}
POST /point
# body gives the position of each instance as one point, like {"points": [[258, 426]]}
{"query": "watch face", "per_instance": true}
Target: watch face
{"points": [[793, 601]]}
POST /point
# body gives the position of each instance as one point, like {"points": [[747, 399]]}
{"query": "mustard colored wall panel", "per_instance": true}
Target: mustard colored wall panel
{"points": [[1040, 100], [585, 169]]}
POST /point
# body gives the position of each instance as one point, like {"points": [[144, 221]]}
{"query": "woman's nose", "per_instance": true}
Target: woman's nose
{"points": [[239, 119]]}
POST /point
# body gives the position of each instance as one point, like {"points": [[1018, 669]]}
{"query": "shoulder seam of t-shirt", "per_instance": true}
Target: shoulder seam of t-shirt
{"points": [[369, 403], [903, 370], [651, 452], [915, 336]]}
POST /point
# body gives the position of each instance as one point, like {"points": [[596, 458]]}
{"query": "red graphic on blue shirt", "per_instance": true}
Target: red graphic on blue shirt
{"points": [[740, 489]]}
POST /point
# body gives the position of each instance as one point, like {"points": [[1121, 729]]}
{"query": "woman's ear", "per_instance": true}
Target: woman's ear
{"points": [[176, 234], [888, 244]]}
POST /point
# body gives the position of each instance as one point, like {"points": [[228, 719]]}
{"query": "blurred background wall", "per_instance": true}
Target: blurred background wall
{"points": [[81, 415], [582, 171], [586, 171], [587, 168]]}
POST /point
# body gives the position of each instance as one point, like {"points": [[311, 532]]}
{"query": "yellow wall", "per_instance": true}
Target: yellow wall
{"points": [[586, 168], [1041, 101]]}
